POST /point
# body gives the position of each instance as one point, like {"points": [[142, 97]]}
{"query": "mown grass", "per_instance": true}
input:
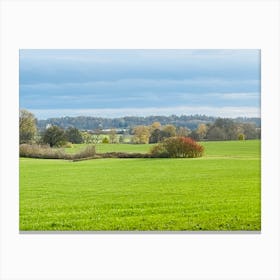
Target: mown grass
{"points": [[240, 149], [220, 191]]}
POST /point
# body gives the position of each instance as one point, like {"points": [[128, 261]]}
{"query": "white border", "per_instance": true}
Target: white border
{"points": [[140, 24]]}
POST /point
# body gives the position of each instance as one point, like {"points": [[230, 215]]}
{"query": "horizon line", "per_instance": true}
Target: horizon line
{"points": [[148, 116], [223, 112]]}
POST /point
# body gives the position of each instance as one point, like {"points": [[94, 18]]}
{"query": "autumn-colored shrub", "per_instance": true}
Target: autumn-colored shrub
{"points": [[176, 147], [158, 151], [183, 147]]}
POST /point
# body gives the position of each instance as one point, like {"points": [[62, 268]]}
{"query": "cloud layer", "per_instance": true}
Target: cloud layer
{"points": [[92, 81]]}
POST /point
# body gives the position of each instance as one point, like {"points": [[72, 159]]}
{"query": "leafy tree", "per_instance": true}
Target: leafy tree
{"points": [[27, 126], [154, 126], [113, 137], [170, 130], [141, 134], [201, 131], [54, 136], [73, 135], [156, 136], [216, 133], [227, 127], [159, 133], [222, 129], [182, 131], [86, 137], [250, 131], [96, 137], [194, 135]]}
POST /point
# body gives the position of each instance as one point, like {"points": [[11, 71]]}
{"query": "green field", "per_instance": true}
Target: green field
{"points": [[220, 191], [104, 148]]}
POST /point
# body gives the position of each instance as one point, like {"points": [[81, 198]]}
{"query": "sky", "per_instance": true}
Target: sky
{"points": [[116, 83]]}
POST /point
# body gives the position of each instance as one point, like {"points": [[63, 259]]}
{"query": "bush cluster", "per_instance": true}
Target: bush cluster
{"points": [[40, 151], [158, 151], [178, 147], [44, 151], [173, 147]]}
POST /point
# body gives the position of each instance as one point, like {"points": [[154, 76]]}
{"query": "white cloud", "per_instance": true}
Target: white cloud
{"points": [[240, 95]]}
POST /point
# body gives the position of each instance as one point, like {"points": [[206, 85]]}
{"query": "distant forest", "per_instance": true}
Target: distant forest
{"points": [[92, 123]]}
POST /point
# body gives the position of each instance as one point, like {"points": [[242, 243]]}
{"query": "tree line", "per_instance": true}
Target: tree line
{"points": [[226, 129], [56, 136], [92, 123], [221, 129], [155, 132]]}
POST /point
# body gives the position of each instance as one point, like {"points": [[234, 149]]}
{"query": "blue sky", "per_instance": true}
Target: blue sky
{"points": [[114, 83]]}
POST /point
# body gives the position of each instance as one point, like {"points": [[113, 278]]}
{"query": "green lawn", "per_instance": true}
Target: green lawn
{"points": [[220, 191]]}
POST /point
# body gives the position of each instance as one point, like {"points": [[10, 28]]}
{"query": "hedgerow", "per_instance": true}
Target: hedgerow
{"points": [[46, 152], [173, 147], [124, 155], [40, 151]]}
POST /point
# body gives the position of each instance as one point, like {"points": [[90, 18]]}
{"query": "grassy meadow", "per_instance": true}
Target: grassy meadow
{"points": [[104, 148], [220, 191]]}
